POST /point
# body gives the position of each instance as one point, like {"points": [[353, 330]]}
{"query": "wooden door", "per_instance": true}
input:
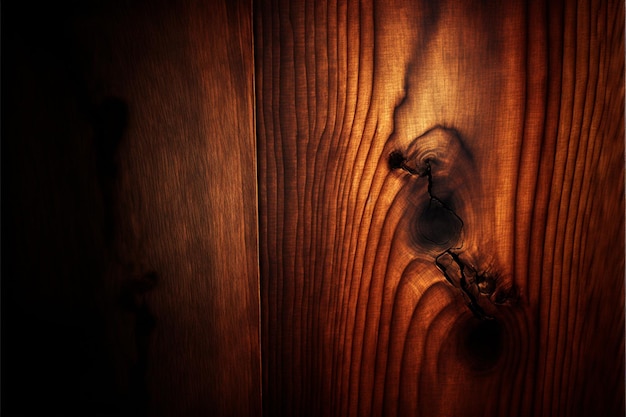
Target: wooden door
{"points": [[441, 207]]}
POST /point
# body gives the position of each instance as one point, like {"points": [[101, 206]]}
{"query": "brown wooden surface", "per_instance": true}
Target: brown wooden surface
{"points": [[130, 270], [508, 118], [400, 143]]}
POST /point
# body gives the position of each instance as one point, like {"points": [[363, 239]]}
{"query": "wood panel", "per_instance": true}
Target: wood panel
{"points": [[441, 207], [130, 271]]}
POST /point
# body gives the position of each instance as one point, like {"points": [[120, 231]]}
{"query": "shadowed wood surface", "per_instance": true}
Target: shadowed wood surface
{"points": [[130, 271], [441, 207]]}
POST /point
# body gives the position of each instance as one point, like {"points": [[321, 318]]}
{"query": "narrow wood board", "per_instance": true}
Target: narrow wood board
{"points": [[188, 199], [132, 278]]}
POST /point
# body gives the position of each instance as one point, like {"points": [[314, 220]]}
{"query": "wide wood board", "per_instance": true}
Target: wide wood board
{"points": [[441, 207]]}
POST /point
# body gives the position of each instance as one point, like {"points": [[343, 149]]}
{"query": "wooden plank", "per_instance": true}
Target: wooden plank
{"points": [[441, 207], [132, 288]]}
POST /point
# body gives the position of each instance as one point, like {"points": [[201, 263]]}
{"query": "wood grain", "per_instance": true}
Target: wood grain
{"points": [[132, 288], [404, 142]]}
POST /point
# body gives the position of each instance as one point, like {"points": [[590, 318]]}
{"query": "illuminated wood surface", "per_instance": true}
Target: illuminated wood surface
{"points": [[130, 269], [499, 123]]}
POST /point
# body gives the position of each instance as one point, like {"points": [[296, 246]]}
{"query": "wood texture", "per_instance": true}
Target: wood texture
{"points": [[404, 142], [130, 270]]}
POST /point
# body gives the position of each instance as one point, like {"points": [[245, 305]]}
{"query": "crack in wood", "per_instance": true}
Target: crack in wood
{"points": [[441, 226]]}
